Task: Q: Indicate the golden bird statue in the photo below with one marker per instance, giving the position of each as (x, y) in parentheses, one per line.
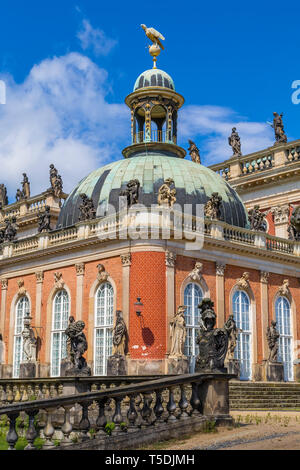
(153, 35)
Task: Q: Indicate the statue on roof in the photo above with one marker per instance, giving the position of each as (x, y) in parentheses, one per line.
(87, 209)
(131, 192)
(3, 196)
(194, 152)
(25, 186)
(257, 219)
(277, 125)
(167, 194)
(44, 220)
(235, 143)
(156, 38)
(56, 181)
(212, 209)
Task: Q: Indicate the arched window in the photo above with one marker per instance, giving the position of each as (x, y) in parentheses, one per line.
(242, 317)
(284, 325)
(22, 309)
(192, 297)
(104, 308)
(60, 317)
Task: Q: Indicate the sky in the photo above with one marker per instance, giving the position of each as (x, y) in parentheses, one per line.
(68, 65)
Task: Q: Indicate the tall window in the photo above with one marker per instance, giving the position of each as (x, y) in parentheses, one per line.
(103, 327)
(242, 316)
(284, 325)
(192, 297)
(60, 317)
(22, 309)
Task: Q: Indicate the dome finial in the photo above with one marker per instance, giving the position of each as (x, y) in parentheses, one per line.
(155, 37)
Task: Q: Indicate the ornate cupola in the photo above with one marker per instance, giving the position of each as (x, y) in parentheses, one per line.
(154, 106)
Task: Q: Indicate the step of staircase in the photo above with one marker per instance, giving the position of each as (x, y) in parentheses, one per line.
(263, 395)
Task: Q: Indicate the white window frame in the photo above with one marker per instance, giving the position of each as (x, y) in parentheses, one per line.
(103, 326)
(191, 348)
(59, 331)
(286, 337)
(18, 328)
(246, 336)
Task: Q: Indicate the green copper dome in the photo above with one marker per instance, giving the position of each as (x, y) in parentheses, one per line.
(194, 185)
(154, 77)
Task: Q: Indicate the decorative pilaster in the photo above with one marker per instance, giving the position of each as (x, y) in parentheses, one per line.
(4, 285)
(264, 279)
(170, 259)
(126, 263)
(80, 268)
(220, 292)
(39, 275)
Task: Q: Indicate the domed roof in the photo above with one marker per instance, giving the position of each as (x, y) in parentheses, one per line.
(194, 185)
(154, 77)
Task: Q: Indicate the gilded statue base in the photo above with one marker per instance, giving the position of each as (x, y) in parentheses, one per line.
(28, 370)
(178, 365)
(117, 365)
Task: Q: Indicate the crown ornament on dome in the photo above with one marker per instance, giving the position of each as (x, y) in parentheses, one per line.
(155, 37)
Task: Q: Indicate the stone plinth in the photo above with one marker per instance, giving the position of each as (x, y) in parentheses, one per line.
(28, 370)
(214, 398)
(274, 372)
(178, 365)
(116, 365)
(233, 367)
(67, 369)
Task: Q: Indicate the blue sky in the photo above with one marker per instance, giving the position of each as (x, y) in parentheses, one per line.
(68, 66)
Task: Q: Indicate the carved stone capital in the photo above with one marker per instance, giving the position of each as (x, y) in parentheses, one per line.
(79, 269)
(126, 259)
(39, 275)
(170, 259)
(58, 280)
(102, 275)
(264, 277)
(220, 268)
(281, 214)
(4, 283)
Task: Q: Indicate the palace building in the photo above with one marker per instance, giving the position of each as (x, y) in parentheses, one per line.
(83, 255)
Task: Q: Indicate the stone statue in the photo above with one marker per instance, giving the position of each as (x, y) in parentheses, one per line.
(77, 346)
(70, 357)
(257, 219)
(273, 341)
(19, 195)
(3, 196)
(232, 331)
(131, 192)
(10, 230)
(294, 225)
(243, 282)
(196, 273)
(178, 333)
(119, 335)
(166, 195)
(284, 288)
(44, 220)
(87, 209)
(29, 341)
(277, 125)
(213, 342)
(235, 143)
(25, 186)
(194, 152)
(56, 181)
(212, 208)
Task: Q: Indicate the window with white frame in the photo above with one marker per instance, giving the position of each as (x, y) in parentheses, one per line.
(192, 297)
(22, 310)
(284, 325)
(60, 320)
(242, 316)
(104, 308)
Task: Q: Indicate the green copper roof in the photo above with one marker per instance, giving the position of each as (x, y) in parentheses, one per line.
(154, 77)
(194, 184)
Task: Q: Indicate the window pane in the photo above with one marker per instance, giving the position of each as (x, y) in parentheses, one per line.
(104, 309)
(192, 297)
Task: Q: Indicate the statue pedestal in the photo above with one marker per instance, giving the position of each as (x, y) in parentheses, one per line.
(233, 367)
(274, 371)
(67, 369)
(116, 365)
(178, 365)
(28, 370)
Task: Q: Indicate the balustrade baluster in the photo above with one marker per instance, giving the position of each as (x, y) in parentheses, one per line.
(146, 411)
(12, 435)
(183, 403)
(67, 426)
(132, 414)
(117, 417)
(171, 406)
(31, 433)
(49, 429)
(158, 407)
(195, 401)
(84, 424)
(101, 420)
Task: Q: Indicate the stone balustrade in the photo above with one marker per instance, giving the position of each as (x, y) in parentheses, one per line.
(124, 416)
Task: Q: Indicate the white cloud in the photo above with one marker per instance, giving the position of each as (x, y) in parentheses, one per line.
(59, 114)
(213, 124)
(95, 39)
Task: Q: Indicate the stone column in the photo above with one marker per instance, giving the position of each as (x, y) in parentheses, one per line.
(126, 263)
(220, 270)
(79, 289)
(264, 277)
(4, 284)
(170, 275)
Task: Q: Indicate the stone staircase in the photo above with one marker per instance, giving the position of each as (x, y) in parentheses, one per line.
(264, 395)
